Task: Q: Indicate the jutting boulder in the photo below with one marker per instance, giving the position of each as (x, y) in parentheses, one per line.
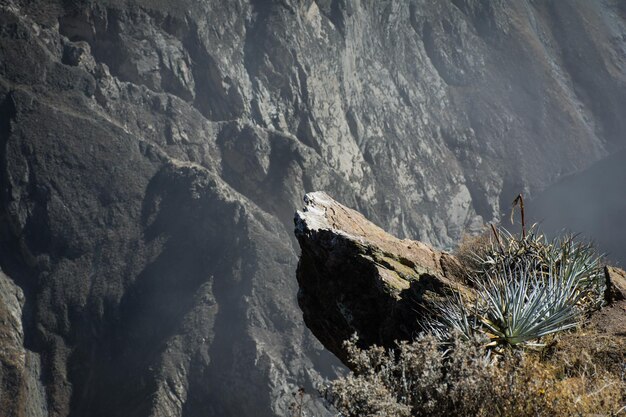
(355, 277)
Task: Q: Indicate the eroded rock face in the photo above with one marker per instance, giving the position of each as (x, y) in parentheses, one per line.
(152, 154)
(21, 390)
(354, 277)
(130, 294)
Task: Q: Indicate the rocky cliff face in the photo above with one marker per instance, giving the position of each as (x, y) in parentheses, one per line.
(152, 154)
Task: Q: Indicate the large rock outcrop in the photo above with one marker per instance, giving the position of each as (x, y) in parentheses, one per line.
(152, 154)
(355, 277)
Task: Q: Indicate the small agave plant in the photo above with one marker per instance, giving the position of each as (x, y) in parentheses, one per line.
(526, 288)
(525, 304)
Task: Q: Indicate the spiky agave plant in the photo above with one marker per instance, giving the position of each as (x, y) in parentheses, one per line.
(453, 317)
(525, 294)
(524, 304)
(510, 252)
(580, 259)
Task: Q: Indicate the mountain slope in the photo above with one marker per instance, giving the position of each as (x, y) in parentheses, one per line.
(153, 154)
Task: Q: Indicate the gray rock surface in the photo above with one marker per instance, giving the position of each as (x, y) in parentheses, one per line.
(152, 154)
(354, 277)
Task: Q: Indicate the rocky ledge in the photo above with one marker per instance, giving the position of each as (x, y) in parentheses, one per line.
(355, 277)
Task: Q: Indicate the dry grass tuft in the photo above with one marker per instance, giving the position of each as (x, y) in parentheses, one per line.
(471, 250)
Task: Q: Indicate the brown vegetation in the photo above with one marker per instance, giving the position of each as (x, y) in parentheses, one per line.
(424, 379)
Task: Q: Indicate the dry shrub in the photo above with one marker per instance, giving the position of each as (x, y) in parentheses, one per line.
(471, 250)
(589, 350)
(425, 378)
(534, 387)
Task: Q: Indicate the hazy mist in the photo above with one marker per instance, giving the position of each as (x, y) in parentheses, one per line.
(591, 203)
